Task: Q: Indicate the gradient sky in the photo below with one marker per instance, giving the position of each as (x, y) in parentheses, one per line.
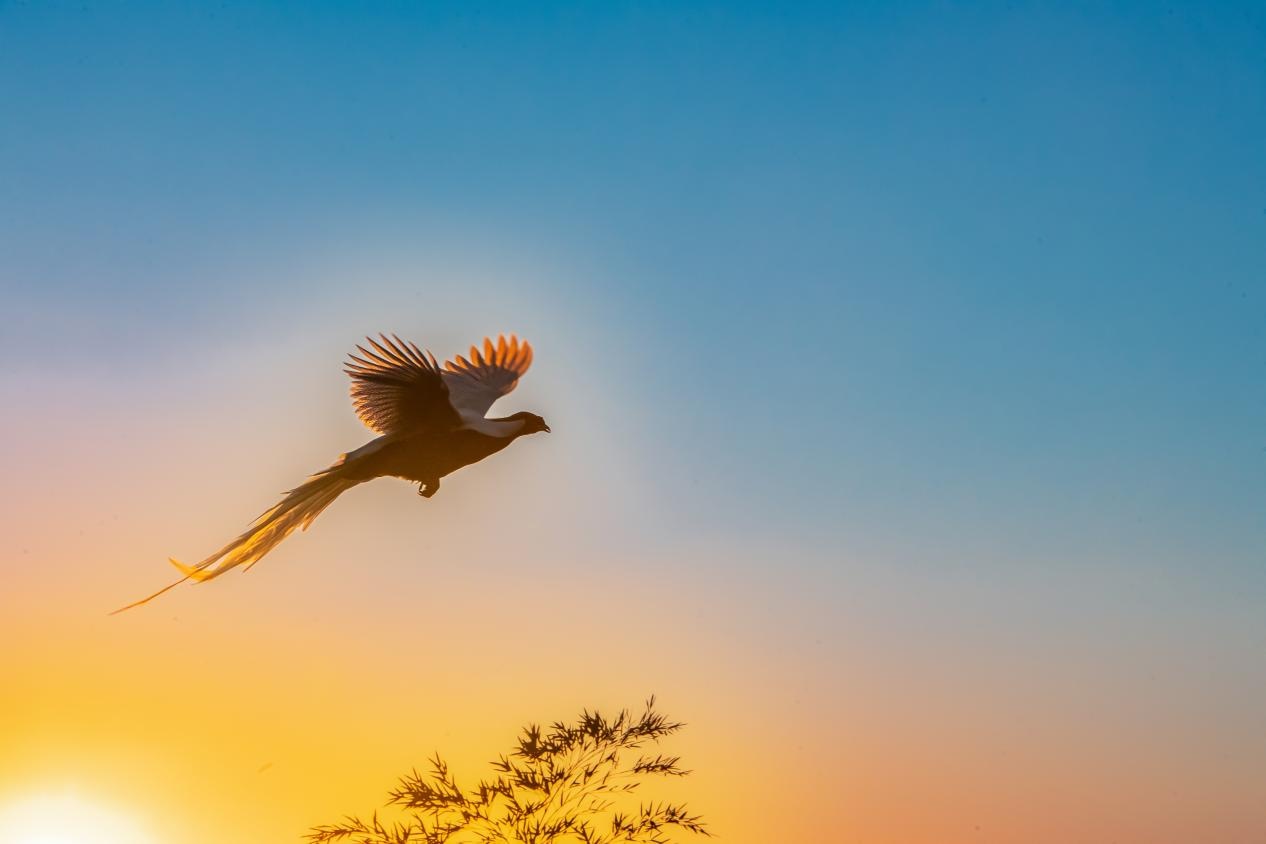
(905, 364)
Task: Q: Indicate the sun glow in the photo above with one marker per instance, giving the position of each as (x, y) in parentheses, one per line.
(66, 819)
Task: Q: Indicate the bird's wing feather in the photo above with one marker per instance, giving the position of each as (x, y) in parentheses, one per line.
(475, 383)
(396, 387)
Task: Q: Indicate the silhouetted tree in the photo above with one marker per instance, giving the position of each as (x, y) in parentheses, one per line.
(560, 785)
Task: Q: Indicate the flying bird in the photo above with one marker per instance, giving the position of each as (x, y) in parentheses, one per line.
(432, 421)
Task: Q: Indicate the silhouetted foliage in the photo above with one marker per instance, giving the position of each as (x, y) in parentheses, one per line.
(560, 785)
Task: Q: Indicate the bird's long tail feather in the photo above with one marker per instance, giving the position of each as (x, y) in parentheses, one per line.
(296, 510)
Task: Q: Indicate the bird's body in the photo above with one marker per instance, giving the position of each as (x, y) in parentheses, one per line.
(432, 422)
(422, 457)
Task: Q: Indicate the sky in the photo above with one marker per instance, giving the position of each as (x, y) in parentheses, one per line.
(904, 363)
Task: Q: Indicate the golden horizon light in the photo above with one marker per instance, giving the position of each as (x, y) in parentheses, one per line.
(66, 817)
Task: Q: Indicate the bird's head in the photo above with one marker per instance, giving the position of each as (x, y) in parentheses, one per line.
(532, 423)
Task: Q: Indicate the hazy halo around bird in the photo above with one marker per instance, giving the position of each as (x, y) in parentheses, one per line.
(432, 421)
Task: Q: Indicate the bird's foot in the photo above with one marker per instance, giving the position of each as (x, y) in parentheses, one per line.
(428, 488)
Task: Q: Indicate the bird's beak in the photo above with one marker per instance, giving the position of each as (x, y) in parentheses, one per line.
(547, 429)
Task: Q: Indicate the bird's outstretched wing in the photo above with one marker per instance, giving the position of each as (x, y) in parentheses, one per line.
(396, 387)
(474, 384)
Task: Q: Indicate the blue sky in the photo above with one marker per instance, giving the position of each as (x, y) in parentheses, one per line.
(990, 269)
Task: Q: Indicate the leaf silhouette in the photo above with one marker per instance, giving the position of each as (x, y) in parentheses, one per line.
(558, 785)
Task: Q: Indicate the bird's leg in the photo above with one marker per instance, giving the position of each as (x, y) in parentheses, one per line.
(428, 488)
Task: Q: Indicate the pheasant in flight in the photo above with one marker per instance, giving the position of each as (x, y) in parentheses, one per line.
(431, 420)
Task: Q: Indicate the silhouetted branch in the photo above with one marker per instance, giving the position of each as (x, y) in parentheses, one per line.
(559, 784)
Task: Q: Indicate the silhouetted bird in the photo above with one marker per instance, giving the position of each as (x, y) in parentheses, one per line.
(432, 421)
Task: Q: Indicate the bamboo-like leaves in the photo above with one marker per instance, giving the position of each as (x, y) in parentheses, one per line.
(558, 785)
